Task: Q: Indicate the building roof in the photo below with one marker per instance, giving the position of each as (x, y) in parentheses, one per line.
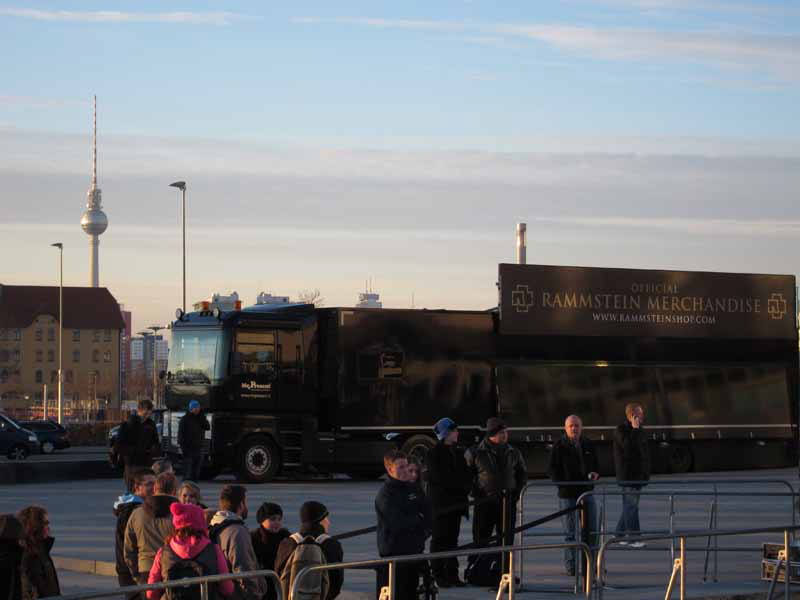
(84, 307)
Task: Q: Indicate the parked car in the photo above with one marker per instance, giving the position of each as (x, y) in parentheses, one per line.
(51, 435)
(16, 442)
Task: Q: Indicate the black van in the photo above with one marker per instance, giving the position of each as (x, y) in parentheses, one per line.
(15, 442)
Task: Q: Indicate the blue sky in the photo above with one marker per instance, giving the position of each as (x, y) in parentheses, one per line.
(354, 139)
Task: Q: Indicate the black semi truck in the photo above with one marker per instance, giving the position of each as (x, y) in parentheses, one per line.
(712, 357)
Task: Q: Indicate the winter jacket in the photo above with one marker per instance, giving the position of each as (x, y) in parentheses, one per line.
(404, 518)
(10, 569)
(39, 578)
(448, 478)
(265, 545)
(234, 540)
(123, 509)
(331, 548)
(147, 529)
(498, 467)
(188, 549)
(567, 463)
(191, 432)
(631, 453)
(137, 441)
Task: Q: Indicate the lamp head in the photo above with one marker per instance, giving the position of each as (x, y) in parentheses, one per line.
(58, 245)
(181, 185)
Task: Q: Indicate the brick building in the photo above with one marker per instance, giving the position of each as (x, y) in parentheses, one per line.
(91, 360)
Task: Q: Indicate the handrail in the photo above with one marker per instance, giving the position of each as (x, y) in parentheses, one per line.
(392, 560)
(163, 585)
(680, 563)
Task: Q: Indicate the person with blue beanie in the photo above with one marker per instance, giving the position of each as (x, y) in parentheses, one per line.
(191, 432)
(449, 481)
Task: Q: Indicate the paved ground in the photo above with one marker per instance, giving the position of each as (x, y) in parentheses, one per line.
(68, 454)
(80, 513)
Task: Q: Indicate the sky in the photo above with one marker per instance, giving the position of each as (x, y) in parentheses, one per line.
(327, 143)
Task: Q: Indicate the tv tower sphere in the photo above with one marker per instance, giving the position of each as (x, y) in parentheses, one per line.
(94, 221)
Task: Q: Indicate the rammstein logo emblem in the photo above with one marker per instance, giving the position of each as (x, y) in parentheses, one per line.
(522, 298)
(776, 306)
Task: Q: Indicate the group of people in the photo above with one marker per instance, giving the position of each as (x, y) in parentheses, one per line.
(573, 463)
(26, 569)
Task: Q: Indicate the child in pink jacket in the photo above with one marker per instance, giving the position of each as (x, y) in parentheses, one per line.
(189, 542)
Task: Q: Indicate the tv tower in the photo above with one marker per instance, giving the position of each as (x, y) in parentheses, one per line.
(94, 220)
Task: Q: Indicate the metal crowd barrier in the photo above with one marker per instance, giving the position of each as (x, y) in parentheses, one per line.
(679, 564)
(603, 484)
(203, 581)
(506, 582)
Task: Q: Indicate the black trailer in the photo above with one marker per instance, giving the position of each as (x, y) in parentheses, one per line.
(330, 389)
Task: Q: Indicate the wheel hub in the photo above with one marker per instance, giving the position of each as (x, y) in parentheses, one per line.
(258, 460)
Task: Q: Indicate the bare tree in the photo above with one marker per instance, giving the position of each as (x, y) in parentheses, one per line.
(311, 297)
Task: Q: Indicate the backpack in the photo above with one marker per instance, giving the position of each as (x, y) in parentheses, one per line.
(483, 570)
(216, 530)
(173, 567)
(307, 553)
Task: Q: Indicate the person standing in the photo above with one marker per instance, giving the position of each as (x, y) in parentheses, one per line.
(191, 433)
(39, 578)
(573, 459)
(267, 538)
(500, 476)
(448, 489)
(137, 442)
(315, 522)
(148, 527)
(228, 529)
(632, 463)
(11, 534)
(143, 485)
(404, 523)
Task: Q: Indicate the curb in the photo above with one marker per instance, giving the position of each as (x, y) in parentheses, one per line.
(80, 565)
(43, 472)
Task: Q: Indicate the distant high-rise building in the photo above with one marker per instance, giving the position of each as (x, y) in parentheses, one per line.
(94, 221)
(125, 351)
(142, 349)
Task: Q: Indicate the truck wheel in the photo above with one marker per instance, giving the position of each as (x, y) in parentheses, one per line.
(259, 459)
(680, 459)
(417, 447)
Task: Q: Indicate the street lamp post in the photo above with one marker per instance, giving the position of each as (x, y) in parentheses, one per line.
(155, 329)
(60, 247)
(181, 185)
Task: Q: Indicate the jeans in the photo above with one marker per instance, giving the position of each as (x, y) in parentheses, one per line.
(192, 466)
(629, 518)
(589, 526)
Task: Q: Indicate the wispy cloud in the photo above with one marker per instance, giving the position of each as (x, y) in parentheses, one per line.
(757, 228)
(218, 18)
(776, 54)
(655, 7)
(10, 100)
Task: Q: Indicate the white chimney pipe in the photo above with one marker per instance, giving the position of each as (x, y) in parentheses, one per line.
(521, 245)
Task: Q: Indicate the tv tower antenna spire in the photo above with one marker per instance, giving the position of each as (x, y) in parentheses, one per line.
(94, 221)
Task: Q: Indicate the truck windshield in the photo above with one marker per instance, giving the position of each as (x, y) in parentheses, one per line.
(193, 357)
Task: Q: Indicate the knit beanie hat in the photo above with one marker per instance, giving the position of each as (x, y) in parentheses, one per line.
(494, 426)
(444, 426)
(188, 515)
(313, 512)
(267, 510)
(193, 404)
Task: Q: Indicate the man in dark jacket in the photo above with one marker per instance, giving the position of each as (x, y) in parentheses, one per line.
(500, 476)
(191, 432)
(404, 523)
(573, 459)
(449, 481)
(315, 522)
(632, 462)
(267, 538)
(137, 441)
(11, 533)
(143, 483)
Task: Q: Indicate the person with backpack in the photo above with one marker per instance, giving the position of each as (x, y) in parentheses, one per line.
(143, 483)
(449, 482)
(228, 529)
(188, 552)
(137, 442)
(267, 538)
(311, 546)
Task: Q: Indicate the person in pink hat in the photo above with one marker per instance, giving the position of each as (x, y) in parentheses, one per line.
(189, 542)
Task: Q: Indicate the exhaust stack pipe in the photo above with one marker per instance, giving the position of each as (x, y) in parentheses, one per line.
(521, 245)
